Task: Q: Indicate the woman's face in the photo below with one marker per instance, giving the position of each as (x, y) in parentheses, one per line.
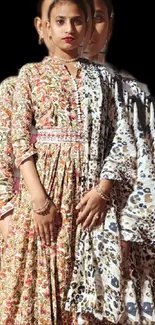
(67, 27)
(102, 28)
(89, 27)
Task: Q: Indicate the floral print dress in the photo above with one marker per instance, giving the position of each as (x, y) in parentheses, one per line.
(74, 119)
(129, 296)
(9, 174)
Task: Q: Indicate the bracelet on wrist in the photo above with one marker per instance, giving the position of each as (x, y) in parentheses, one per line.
(44, 209)
(102, 194)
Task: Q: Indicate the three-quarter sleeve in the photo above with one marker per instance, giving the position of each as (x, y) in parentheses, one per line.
(112, 117)
(7, 180)
(22, 117)
(120, 164)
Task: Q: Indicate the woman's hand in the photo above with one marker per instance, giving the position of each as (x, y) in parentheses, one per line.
(46, 225)
(4, 225)
(91, 210)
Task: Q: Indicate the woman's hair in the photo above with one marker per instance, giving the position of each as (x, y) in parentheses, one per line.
(91, 5)
(79, 3)
(39, 7)
(40, 3)
(110, 8)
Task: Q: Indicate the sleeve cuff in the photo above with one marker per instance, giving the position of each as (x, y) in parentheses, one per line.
(111, 176)
(124, 172)
(25, 155)
(7, 207)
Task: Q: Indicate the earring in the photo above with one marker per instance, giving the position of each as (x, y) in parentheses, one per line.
(104, 50)
(112, 15)
(41, 40)
(49, 37)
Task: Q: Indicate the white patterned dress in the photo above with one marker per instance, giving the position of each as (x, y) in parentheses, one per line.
(99, 290)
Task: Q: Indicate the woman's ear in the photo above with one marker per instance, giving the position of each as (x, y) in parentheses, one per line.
(39, 29)
(48, 27)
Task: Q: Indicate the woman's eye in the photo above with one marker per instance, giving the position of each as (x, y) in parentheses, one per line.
(98, 18)
(60, 21)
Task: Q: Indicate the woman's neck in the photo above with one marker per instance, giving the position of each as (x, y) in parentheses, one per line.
(65, 56)
(99, 58)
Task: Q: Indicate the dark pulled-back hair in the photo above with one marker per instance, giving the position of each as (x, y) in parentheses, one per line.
(40, 3)
(79, 3)
(91, 5)
(110, 8)
(39, 7)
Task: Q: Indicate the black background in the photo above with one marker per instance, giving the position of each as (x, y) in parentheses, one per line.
(131, 47)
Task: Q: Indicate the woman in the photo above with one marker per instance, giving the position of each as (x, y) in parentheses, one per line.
(138, 274)
(9, 176)
(58, 94)
(137, 96)
(141, 256)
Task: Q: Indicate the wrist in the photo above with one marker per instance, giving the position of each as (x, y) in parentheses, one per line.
(106, 186)
(39, 201)
(102, 194)
(43, 209)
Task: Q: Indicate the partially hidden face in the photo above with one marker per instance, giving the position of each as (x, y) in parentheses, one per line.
(101, 30)
(40, 23)
(89, 27)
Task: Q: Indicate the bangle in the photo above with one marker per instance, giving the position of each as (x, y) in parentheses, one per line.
(44, 209)
(102, 194)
